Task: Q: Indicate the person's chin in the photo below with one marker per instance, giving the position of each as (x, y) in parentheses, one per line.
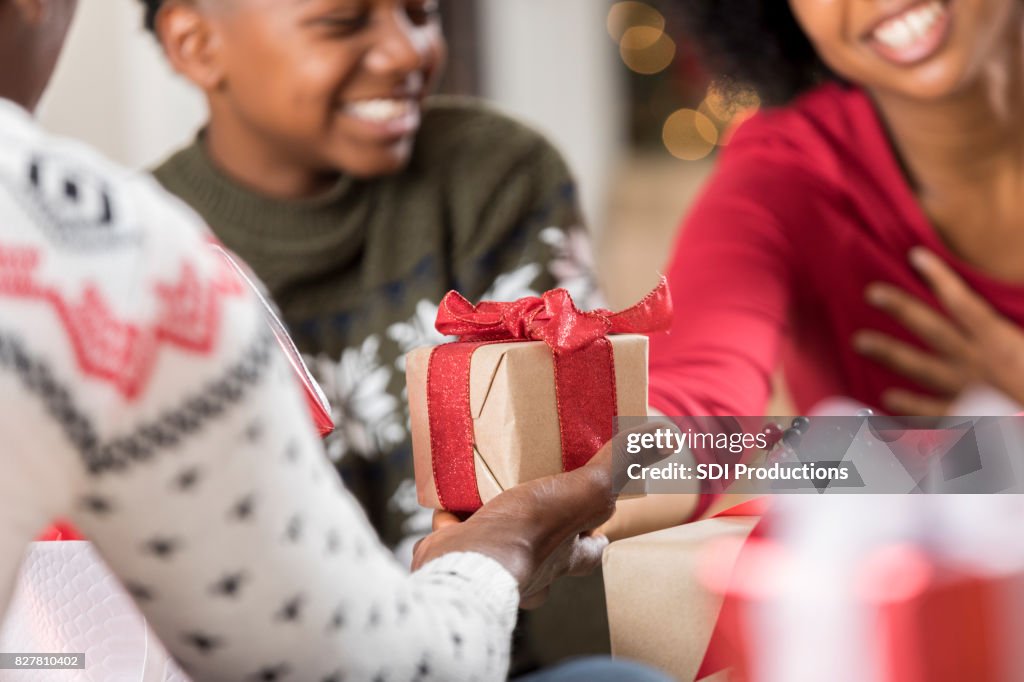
(928, 82)
(368, 150)
(932, 84)
(378, 164)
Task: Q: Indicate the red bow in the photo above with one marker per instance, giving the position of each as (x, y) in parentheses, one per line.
(552, 318)
(584, 375)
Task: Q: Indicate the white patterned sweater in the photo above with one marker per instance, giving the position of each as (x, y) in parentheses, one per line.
(143, 397)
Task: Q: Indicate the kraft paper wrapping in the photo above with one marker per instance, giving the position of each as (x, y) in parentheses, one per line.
(659, 611)
(515, 420)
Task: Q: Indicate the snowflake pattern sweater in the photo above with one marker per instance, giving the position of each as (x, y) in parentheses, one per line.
(143, 397)
(486, 206)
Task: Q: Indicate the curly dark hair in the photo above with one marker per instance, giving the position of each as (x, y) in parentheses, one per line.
(752, 43)
(151, 8)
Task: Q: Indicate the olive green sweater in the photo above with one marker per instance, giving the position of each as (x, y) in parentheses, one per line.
(486, 206)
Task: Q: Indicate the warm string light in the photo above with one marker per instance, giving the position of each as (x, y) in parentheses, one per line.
(692, 134)
(689, 135)
(624, 15)
(728, 111)
(645, 48)
(655, 53)
(639, 30)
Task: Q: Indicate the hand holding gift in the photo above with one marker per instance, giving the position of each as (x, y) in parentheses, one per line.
(531, 388)
(543, 529)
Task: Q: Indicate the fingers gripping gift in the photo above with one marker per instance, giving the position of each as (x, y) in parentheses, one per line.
(530, 388)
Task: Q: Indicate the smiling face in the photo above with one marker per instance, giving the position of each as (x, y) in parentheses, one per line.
(923, 49)
(333, 85)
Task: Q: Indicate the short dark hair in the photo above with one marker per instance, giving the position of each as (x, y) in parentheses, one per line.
(753, 43)
(151, 8)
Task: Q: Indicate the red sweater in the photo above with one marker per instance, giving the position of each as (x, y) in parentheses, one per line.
(807, 206)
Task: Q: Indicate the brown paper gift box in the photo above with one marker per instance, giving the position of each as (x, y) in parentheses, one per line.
(659, 612)
(515, 420)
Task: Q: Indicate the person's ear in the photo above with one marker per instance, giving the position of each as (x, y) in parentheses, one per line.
(191, 44)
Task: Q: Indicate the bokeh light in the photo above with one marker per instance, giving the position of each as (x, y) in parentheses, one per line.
(647, 53)
(625, 15)
(689, 134)
(716, 104)
(637, 38)
(640, 31)
(728, 109)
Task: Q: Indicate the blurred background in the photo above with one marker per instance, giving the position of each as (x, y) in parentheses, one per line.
(610, 83)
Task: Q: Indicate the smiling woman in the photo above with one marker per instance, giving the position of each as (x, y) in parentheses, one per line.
(924, 50)
(896, 125)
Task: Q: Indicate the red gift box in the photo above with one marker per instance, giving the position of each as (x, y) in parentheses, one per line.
(929, 620)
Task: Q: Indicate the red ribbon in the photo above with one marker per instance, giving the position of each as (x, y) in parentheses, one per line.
(584, 375)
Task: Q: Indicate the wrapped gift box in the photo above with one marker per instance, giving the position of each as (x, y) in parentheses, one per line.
(912, 589)
(950, 626)
(514, 411)
(660, 611)
(911, 619)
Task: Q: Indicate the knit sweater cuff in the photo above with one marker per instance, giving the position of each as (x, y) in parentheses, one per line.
(479, 577)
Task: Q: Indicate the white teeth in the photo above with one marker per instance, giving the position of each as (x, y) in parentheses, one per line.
(380, 110)
(906, 29)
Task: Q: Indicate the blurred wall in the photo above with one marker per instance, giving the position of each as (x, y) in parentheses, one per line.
(114, 89)
(552, 63)
(549, 62)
